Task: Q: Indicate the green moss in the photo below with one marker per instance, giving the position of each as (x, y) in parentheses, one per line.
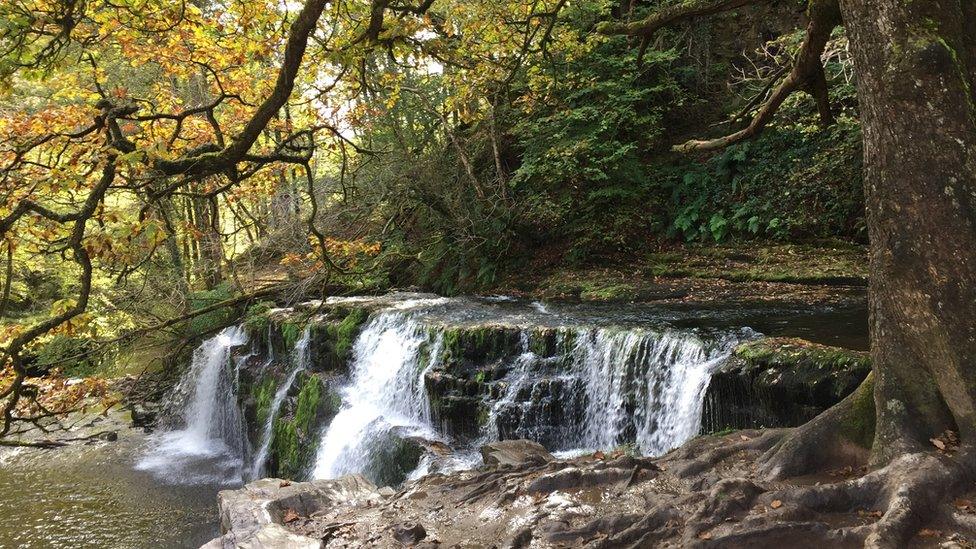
(208, 322)
(344, 333)
(484, 414)
(795, 353)
(859, 424)
(290, 331)
(294, 442)
(263, 393)
(256, 317)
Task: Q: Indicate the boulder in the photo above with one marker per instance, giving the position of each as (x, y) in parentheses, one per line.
(253, 516)
(409, 533)
(780, 382)
(514, 452)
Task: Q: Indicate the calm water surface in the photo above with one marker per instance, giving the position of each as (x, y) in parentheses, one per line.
(90, 496)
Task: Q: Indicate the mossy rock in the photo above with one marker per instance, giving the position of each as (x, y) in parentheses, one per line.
(333, 338)
(781, 382)
(792, 363)
(392, 457)
(298, 425)
(467, 348)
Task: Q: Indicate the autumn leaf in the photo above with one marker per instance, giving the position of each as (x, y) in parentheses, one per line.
(938, 443)
(291, 516)
(776, 504)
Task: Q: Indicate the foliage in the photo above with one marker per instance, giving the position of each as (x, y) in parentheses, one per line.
(817, 195)
(584, 130)
(73, 356)
(157, 158)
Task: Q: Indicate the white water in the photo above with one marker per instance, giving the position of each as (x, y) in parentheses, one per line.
(299, 362)
(210, 445)
(627, 386)
(666, 372)
(616, 386)
(386, 394)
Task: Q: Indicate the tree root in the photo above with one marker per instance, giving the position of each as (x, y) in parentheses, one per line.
(840, 436)
(905, 495)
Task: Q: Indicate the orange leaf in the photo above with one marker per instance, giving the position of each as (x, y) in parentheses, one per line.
(776, 504)
(291, 515)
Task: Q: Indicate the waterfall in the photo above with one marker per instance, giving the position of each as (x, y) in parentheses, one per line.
(299, 362)
(616, 386)
(209, 445)
(385, 397)
(597, 388)
(643, 385)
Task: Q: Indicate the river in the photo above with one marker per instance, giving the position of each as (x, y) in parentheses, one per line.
(94, 495)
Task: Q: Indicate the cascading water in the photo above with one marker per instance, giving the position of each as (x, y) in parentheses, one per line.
(603, 387)
(615, 386)
(651, 384)
(209, 445)
(299, 362)
(385, 397)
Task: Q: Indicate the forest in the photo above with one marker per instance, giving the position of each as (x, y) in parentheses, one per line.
(470, 273)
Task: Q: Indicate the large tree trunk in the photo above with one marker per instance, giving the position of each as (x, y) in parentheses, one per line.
(916, 67)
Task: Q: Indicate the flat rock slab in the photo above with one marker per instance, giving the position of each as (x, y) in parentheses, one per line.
(255, 515)
(514, 452)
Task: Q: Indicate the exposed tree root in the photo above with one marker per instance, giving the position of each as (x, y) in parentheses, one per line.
(840, 436)
(909, 492)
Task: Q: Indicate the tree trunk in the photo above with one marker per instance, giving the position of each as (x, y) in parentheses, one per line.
(916, 71)
(8, 280)
(206, 219)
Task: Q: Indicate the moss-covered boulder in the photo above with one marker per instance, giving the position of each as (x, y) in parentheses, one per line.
(333, 335)
(392, 457)
(296, 430)
(333, 329)
(470, 376)
(781, 382)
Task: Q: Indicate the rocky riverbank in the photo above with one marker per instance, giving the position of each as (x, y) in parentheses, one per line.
(708, 493)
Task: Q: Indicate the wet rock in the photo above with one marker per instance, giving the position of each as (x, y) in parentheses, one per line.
(392, 457)
(409, 533)
(514, 452)
(144, 415)
(780, 382)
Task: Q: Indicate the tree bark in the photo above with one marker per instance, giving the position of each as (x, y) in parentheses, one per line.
(916, 64)
(8, 280)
